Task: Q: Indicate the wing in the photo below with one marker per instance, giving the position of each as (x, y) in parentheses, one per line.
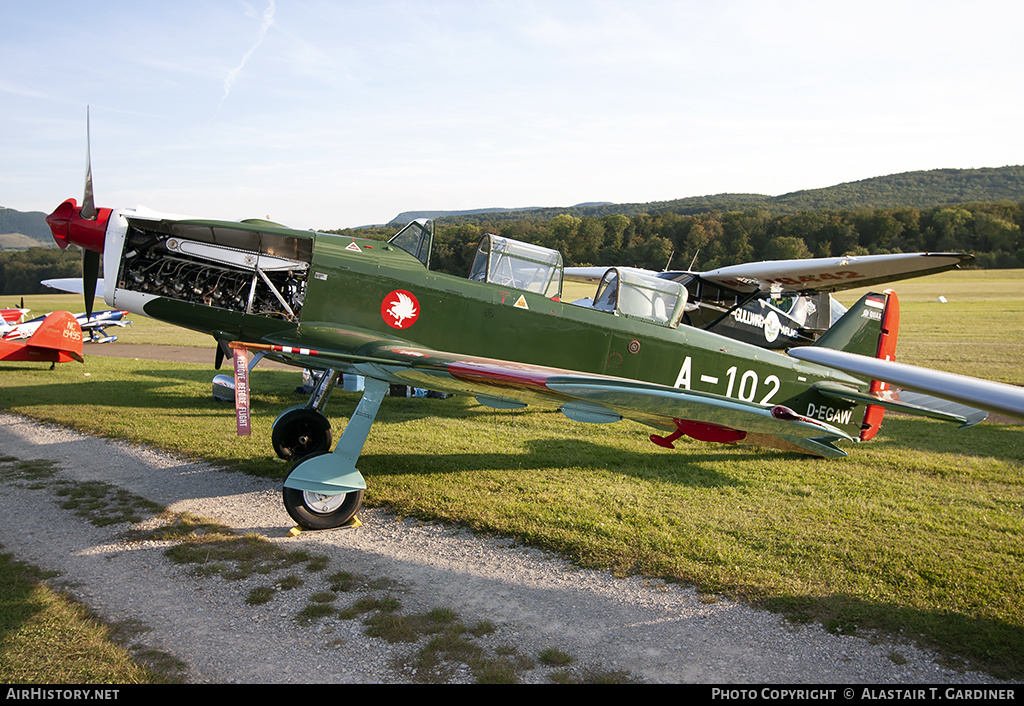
(24, 329)
(982, 394)
(72, 284)
(581, 397)
(100, 325)
(832, 274)
(12, 316)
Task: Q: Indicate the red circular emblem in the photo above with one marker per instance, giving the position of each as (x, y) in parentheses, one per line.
(400, 309)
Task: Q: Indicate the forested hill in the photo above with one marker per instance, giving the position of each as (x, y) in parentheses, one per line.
(30, 226)
(911, 190)
(922, 189)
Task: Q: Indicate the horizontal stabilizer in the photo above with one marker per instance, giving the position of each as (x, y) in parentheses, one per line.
(908, 402)
(973, 392)
(970, 415)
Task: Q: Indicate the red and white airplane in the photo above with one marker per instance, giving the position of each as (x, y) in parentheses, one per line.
(58, 339)
(15, 315)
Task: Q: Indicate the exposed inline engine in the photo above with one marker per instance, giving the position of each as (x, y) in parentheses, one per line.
(251, 280)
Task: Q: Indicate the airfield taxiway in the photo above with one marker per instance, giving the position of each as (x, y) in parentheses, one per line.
(171, 354)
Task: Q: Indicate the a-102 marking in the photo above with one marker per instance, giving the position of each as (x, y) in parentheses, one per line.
(742, 386)
(748, 387)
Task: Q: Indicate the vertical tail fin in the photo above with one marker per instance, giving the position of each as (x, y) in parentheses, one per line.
(870, 328)
(59, 336)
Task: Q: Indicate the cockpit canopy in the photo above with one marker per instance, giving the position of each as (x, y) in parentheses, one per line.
(518, 265)
(631, 293)
(416, 238)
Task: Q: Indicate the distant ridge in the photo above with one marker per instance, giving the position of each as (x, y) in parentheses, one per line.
(23, 229)
(407, 216)
(914, 190)
(920, 189)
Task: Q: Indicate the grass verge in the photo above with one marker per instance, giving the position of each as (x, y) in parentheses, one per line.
(48, 638)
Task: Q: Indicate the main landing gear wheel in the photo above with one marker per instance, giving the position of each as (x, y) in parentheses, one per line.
(301, 432)
(316, 511)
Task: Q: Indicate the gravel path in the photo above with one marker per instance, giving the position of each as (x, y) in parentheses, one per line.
(654, 631)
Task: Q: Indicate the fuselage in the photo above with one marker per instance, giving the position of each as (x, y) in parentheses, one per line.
(324, 290)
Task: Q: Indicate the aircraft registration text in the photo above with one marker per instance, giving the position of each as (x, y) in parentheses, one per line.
(829, 414)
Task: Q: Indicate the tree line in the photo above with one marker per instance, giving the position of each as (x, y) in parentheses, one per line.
(21, 271)
(989, 231)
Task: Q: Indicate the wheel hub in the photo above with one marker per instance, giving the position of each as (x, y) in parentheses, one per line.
(323, 504)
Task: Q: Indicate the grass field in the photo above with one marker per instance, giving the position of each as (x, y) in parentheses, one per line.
(919, 533)
(979, 331)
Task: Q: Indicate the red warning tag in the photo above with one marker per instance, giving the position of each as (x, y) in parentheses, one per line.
(242, 391)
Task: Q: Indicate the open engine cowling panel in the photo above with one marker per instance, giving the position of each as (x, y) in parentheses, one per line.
(226, 265)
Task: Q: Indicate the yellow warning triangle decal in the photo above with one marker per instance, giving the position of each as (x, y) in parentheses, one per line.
(521, 303)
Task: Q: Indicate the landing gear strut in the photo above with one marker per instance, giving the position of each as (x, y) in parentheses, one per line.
(325, 490)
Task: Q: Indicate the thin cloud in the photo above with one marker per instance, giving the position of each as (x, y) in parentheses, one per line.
(267, 21)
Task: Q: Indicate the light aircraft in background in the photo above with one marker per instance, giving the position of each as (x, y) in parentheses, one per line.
(774, 304)
(57, 339)
(345, 305)
(94, 325)
(12, 316)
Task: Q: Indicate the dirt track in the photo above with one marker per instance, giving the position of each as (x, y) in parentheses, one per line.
(173, 354)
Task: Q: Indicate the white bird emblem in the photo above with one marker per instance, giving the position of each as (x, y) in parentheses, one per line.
(402, 309)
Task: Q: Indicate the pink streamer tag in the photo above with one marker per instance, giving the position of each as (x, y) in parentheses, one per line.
(242, 391)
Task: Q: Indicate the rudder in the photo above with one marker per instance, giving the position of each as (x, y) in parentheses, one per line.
(870, 328)
(60, 332)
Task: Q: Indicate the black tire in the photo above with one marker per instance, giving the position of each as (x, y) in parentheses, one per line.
(301, 432)
(315, 511)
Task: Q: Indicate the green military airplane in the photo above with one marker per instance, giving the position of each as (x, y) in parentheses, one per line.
(348, 306)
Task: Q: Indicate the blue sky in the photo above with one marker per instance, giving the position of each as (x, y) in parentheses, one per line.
(336, 114)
